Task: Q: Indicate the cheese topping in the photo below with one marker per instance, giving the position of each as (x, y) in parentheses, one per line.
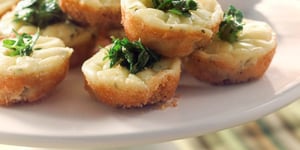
(52, 52)
(6, 5)
(98, 70)
(68, 32)
(256, 39)
(101, 3)
(204, 18)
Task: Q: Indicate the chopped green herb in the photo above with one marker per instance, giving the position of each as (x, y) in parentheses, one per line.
(39, 12)
(22, 45)
(132, 55)
(231, 25)
(178, 7)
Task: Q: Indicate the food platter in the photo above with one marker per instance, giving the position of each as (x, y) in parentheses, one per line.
(70, 117)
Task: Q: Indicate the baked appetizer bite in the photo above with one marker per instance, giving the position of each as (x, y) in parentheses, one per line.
(127, 74)
(241, 52)
(30, 67)
(6, 5)
(104, 13)
(31, 15)
(171, 28)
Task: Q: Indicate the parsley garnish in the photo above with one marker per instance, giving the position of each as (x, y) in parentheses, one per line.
(22, 45)
(231, 25)
(39, 12)
(178, 7)
(132, 55)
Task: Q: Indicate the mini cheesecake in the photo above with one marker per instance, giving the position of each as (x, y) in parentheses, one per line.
(81, 39)
(169, 34)
(227, 63)
(118, 87)
(102, 13)
(30, 78)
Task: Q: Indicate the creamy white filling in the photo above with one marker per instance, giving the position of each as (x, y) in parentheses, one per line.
(205, 17)
(255, 40)
(97, 69)
(52, 52)
(68, 32)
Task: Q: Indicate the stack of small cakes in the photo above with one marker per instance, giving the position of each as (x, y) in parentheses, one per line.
(215, 47)
(110, 74)
(152, 41)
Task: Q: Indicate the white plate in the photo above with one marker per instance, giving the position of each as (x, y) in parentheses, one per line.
(71, 118)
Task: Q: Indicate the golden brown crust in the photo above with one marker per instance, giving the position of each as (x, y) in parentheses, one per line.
(229, 63)
(117, 87)
(30, 87)
(222, 71)
(162, 87)
(162, 41)
(104, 17)
(167, 42)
